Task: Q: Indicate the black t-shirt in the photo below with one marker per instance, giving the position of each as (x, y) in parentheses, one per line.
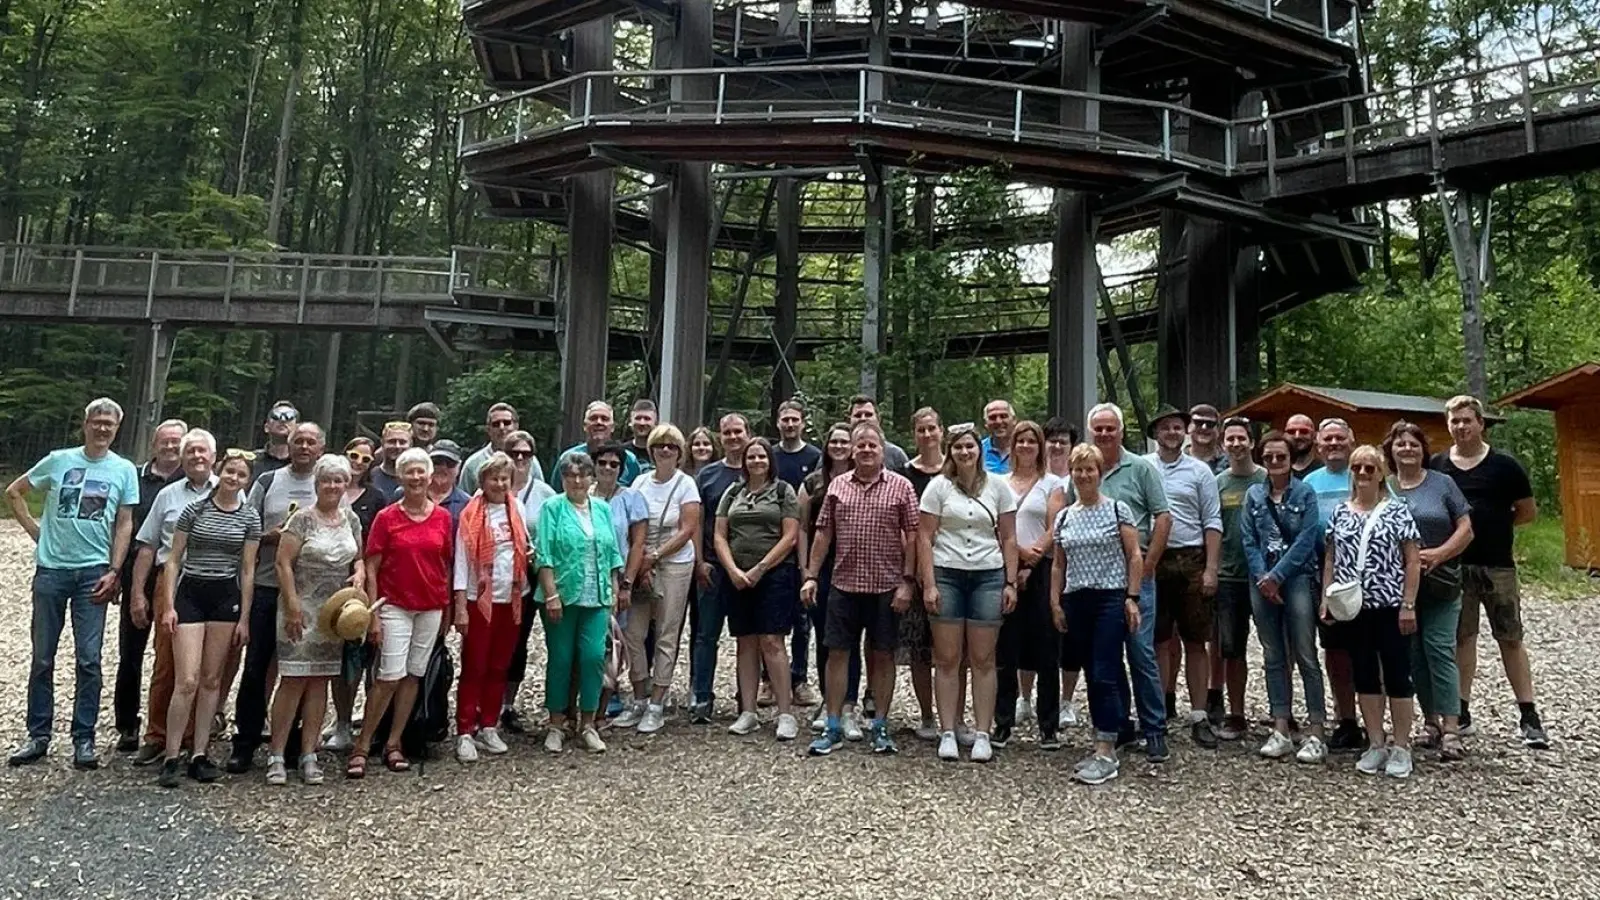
(794, 467)
(713, 479)
(1300, 474)
(918, 478)
(266, 462)
(641, 455)
(1493, 487)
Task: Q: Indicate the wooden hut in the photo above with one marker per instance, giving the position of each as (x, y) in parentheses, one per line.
(1574, 397)
(1370, 413)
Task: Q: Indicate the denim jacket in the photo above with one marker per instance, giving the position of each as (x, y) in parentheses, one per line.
(1299, 514)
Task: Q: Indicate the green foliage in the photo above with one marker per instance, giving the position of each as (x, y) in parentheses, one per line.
(1540, 552)
(530, 384)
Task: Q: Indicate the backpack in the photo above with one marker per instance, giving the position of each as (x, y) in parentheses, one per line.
(430, 715)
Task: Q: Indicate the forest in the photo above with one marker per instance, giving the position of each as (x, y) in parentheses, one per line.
(330, 127)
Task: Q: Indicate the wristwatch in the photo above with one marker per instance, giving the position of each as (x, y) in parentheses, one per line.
(1132, 598)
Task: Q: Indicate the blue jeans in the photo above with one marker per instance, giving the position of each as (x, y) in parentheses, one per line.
(713, 606)
(1099, 627)
(55, 593)
(1290, 626)
(974, 596)
(1142, 661)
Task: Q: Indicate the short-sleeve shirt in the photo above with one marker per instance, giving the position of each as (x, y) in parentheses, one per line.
(150, 484)
(664, 502)
(1231, 492)
(1134, 481)
(274, 496)
(417, 557)
(1436, 505)
(755, 520)
(81, 502)
(1192, 500)
(216, 537)
(1091, 539)
(995, 460)
(1492, 488)
(869, 519)
(713, 480)
(1032, 509)
(968, 534)
(159, 525)
(1384, 578)
(1333, 488)
(793, 467)
(628, 508)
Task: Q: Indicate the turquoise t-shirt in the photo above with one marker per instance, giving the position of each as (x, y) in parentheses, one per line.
(1332, 489)
(80, 508)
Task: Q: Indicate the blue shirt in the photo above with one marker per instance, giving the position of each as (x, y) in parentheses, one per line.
(455, 503)
(628, 507)
(1332, 489)
(794, 467)
(994, 460)
(630, 466)
(82, 498)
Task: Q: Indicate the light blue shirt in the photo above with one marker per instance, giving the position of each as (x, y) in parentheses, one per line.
(1192, 498)
(995, 460)
(82, 498)
(628, 507)
(1332, 489)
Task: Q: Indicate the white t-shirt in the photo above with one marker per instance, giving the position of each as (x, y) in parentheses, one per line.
(666, 500)
(967, 525)
(505, 559)
(1031, 510)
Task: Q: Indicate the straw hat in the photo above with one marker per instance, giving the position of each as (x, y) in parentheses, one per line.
(346, 615)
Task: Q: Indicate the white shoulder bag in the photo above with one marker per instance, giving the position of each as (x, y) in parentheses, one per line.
(1344, 597)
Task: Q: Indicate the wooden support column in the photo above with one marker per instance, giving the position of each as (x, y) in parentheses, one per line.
(330, 382)
(660, 58)
(590, 232)
(1074, 332)
(787, 290)
(688, 256)
(1172, 315)
(148, 387)
(878, 245)
(1469, 246)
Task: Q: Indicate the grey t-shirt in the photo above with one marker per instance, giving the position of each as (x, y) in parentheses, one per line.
(272, 496)
(1435, 504)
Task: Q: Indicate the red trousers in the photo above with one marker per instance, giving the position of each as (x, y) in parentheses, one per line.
(485, 657)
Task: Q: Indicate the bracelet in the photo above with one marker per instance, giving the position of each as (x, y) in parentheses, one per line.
(808, 578)
(1131, 598)
(553, 598)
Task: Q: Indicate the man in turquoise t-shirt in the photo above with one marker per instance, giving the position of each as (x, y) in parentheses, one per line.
(1335, 440)
(82, 543)
(598, 420)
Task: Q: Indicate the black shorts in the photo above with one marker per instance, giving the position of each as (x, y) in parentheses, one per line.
(768, 608)
(1233, 617)
(849, 614)
(200, 600)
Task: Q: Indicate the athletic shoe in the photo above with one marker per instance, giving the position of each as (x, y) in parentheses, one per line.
(466, 749)
(1203, 734)
(1000, 737)
(171, 772)
(1024, 710)
(339, 740)
(1347, 737)
(1277, 746)
(788, 727)
(700, 713)
(203, 770)
(1533, 736)
(554, 740)
(1069, 715)
(1399, 764)
(591, 741)
(655, 718)
(1098, 770)
(764, 696)
(149, 753)
(928, 731)
(1233, 728)
(852, 725)
(806, 695)
(948, 750)
(489, 740)
(821, 721)
(1312, 750)
(277, 774)
(881, 742)
(631, 716)
(1373, 761)
(1049, 741)
(1155, 748)
(745, 724)
(982, 750)
(826, 743)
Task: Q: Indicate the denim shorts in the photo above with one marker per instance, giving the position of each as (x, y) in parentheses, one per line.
(971, 596)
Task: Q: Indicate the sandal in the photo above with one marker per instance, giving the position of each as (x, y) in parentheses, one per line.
(1430, 737)
(356, 767)
(1451, 748)
(396, 760)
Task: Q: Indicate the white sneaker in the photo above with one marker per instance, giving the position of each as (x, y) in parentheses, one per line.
(591, 740)
(466, 750)
(553, 740)
(745, 724)
(1069, 716)
(491, 741)
(965, 736)
(852, 724)
(981, 750)
(820, 723)
(1312, 750)
(788, 727)
(1024, 710)
(339, 740)
(928, 731)
(631, 716)
(1373, 761)
(948, 750)
(654, 719)
(1399, 765)
(1277, 746)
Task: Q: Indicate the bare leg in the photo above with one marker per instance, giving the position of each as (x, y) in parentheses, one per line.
(378, 702)
(1025, 682)
(1514, 655)
(314, 708)
(285, 701)
(980, 658)
(922, 687)
(1467, 664)
(1403, 710)
(344, 702)
(405, 697)
(1372, 718)
(188, 648)
(1168, 654)
(776, 656)
(214, 656)
(1197, 672)
(749, 670)
(948, 685)
(881, 677)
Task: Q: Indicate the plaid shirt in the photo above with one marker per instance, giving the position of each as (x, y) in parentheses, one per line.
(869, 521)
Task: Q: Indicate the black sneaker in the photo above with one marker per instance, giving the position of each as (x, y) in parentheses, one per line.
(239, 761)
(1534, 737)
(83, 757)
(28, 752)
(1155, 748)
(171, 772)
(203, 770)
(1203, 734)
(1001, 736)
(148, 754)
(128, 742)
(700, 714)
(1214, 710)
(1127, 737)
(1049, 741)
(1347, 737)
(511, 721)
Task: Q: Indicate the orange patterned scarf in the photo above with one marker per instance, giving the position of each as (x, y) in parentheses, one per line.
(479, 536)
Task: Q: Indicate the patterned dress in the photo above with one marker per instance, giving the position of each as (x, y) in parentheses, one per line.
(323, 567)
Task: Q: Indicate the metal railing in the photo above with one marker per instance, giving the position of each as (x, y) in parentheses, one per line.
(503, 273)
(764, 23)
(1019, 113)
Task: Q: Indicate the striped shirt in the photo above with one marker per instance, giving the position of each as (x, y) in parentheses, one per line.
(216, 538)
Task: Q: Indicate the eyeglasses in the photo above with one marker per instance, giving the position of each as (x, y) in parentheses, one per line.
(397, 426)
(664, 448)
(1334, 420)
(358, 456)
(1364, 469)
(284, 414)
(520, 455)
(608, 464)
(236, 453)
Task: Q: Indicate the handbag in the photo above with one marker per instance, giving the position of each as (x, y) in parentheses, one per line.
(1344, 597)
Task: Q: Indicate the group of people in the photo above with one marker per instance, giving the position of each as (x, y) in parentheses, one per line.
(997, 562)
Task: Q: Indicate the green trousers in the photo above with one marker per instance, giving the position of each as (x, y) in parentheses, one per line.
(577, 641)
(1433, 651)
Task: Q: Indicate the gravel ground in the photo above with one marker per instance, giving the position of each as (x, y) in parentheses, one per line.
(697, 812)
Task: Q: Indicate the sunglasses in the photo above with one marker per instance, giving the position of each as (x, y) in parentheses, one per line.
(520, 455)
(963, 428)
(236, 453)
(608, 464)
(1204, 424)
(1364, 469)
(284, 414)
(1334, 420)
(397, 426)
(358, 456)
(1274, 457)
(664, 448)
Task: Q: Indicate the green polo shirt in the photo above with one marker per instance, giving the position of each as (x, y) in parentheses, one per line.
(1135, 481)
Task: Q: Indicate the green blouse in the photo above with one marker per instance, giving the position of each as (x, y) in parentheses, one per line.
(564, 547)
